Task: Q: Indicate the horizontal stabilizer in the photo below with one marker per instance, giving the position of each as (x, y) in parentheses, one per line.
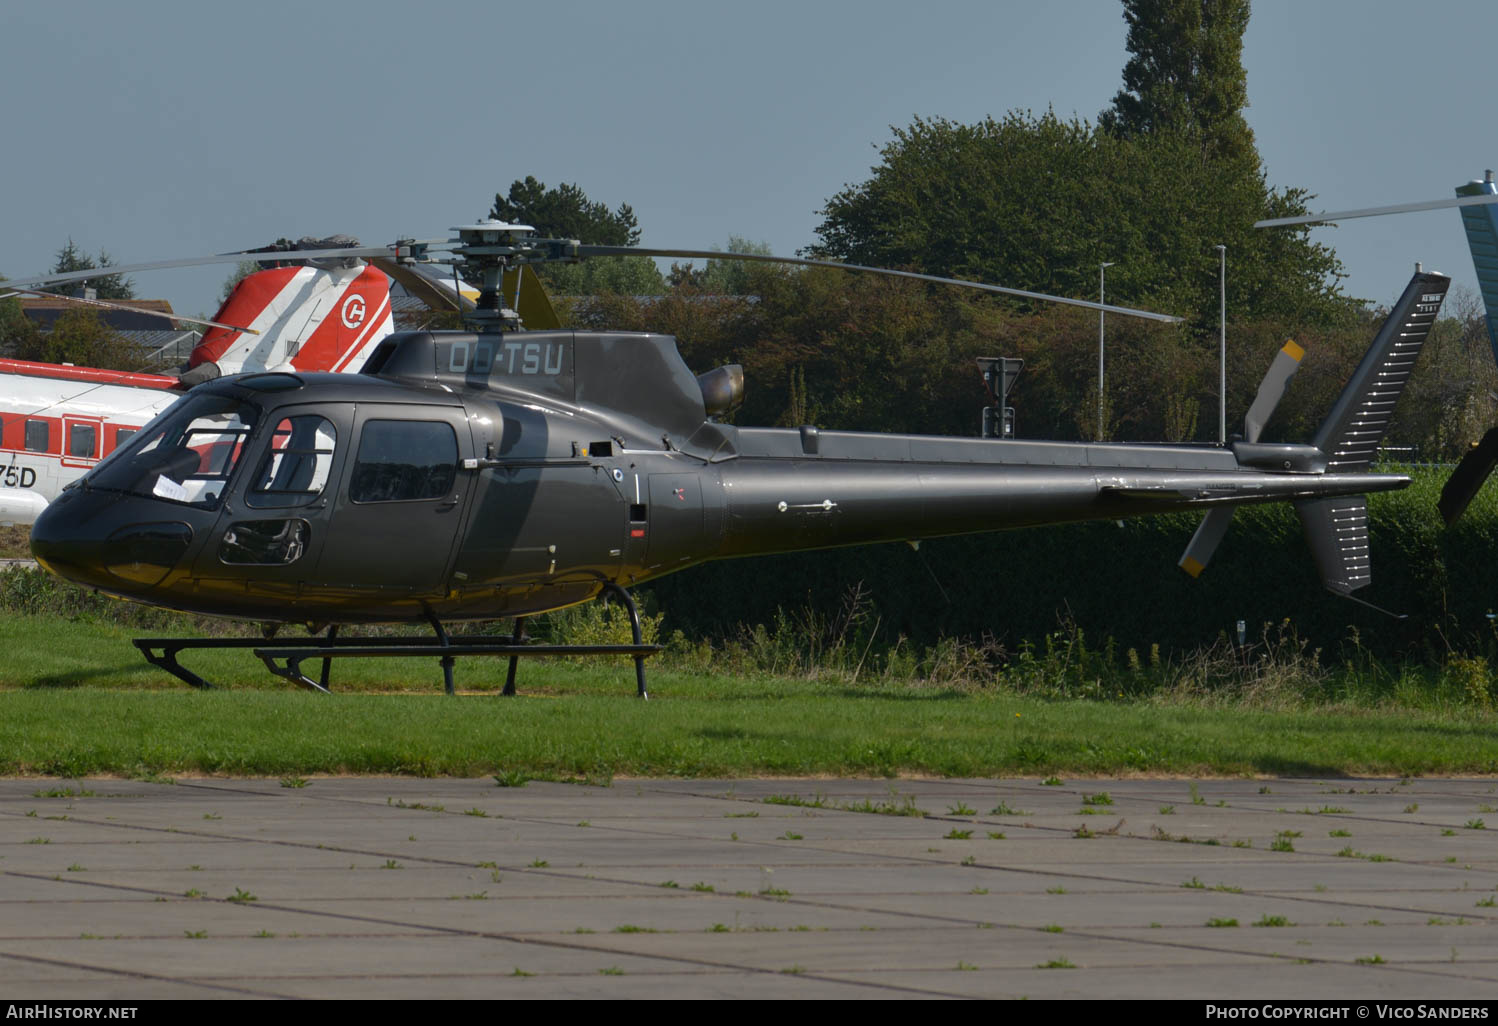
(1468, 477)
(1337, 530)
(1235, 488)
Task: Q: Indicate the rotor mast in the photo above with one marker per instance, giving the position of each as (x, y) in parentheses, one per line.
(489, 249)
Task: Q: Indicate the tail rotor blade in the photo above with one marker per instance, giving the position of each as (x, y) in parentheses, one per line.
(1272, 389)
(1204, 542)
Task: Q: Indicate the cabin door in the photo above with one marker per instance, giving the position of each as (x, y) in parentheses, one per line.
(400, 501)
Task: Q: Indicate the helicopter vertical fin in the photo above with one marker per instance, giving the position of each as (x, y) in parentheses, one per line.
(355, 316)
(1351, 433)
(1337, 531)
(1272, 389)
(312, 318)
(531, 303)
(1481, 224)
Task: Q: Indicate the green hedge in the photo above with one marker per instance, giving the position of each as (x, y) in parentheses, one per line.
(1120, 581)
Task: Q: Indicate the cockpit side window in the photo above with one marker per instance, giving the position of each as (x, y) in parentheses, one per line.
(296, 467)
(403, 460)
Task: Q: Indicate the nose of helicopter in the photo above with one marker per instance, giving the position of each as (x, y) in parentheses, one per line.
(83, 537)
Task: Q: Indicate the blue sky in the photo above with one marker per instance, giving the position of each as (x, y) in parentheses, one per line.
(156, 130)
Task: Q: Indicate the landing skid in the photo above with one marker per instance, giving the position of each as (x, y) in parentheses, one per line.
(284, 657)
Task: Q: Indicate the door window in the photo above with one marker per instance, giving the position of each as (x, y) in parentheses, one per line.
(296, 468)
(81, 440)
(402, 460)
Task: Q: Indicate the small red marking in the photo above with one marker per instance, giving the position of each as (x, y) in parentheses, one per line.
(638, 532)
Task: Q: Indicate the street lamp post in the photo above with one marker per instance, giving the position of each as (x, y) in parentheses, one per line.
(1102, 269)
(1222, 346)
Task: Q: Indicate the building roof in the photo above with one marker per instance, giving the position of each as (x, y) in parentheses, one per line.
(43, 311)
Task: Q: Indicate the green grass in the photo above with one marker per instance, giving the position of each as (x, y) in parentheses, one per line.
(698, 727)
(704, 727)
(76, 698)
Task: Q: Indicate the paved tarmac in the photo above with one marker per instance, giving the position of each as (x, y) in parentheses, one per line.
(405, 888)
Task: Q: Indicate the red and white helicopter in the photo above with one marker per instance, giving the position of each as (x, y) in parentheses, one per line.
(57, 421)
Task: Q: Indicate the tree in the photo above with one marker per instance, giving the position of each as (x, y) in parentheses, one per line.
(722, 277)
(79, 336)
(565, 212)
(17, 333)
(242, 270)
(1038, 203)
(109, 286)
(1185, 74)
(627, 276)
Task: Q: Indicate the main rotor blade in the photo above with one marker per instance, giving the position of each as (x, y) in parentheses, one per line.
(129, 308)
(701, 254)
(1398, 208)
(363, 252)
(1468, 477)
(434, 294)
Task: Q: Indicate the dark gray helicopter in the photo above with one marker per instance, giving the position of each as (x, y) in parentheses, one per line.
(497, 473)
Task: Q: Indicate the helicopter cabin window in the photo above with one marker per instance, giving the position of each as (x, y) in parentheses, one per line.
(82, 440)
(38, 436)
(295, 469)
(121, 436)
(402, 460)
(185, 455)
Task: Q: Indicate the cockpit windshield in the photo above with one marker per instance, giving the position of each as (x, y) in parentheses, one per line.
(185, 455)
